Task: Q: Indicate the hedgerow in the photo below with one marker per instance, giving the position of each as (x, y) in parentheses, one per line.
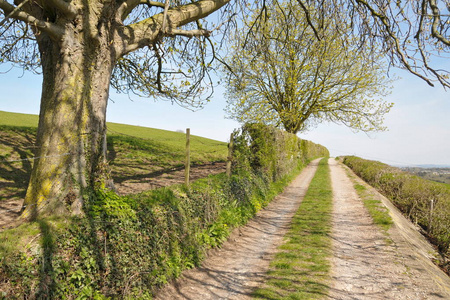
(126, 247)
(424, 202)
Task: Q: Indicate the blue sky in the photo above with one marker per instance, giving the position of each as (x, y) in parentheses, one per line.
(418, 128)
(419, 123)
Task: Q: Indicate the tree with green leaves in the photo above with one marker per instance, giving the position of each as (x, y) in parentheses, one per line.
(279, 73)
(159, 49)
(149, 48)
(412, 34)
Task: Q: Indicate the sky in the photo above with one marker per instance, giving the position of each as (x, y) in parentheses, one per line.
(419, 123)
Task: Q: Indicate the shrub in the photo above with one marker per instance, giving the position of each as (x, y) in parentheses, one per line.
(424, 202)
(266, 150)
(126, 247)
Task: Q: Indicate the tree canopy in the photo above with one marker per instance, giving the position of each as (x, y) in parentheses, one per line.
(280, 73)
(149, 48)
(412, 34)
(162, 49)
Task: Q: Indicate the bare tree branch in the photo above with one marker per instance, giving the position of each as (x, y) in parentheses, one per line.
(54, 31)
(166, 8)
(189, 33)
(145, 32)
(65, 7)
(158, 74)
(400, 53)
(308, 19)
(127, 7)
(436, 22)
(16, 9)
(185, 14)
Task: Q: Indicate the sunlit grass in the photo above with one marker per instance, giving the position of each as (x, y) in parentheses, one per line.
(300, 269)
(132, 151)
(376, 209)
(16, 119)
(201, 148)
(163, 142)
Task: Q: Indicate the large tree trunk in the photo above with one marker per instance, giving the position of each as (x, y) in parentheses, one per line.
(80, 42)
(70, 155)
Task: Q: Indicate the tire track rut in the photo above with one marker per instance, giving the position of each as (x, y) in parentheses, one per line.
(233, 271)
(366, 265)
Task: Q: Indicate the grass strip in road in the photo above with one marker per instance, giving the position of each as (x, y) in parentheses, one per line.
(376, 209)
(378, 212)
(300, 269)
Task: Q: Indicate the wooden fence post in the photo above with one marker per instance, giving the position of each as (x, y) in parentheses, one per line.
(430, 216)
(230, 154)
(187, 168)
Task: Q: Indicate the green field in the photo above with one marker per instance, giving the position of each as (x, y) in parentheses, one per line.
(16, 119)
(174, 140)
(133, 151)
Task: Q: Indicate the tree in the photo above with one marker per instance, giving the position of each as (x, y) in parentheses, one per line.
(281, 74)
(412, 34)
(81, 47)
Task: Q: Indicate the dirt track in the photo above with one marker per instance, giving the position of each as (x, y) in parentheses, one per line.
(235, 270)
(365, 265)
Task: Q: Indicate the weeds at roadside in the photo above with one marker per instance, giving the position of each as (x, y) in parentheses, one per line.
(425, 203)
(376, 209)
(378, 212)
(300, 270)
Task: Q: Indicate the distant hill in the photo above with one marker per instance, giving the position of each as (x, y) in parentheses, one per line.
(433, 166)
(437, 173)
(423, 166)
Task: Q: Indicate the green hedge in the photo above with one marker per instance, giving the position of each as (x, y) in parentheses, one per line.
(127, 247)
(266, 150)
(425, 202)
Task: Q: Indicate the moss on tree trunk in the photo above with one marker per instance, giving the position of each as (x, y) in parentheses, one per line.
(70, 155)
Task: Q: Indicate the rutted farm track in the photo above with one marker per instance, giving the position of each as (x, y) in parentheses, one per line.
(365, 265)
(368, 265)
(233, 271)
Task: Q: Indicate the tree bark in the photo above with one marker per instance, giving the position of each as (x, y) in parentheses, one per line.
(70, 155)
(80, 43)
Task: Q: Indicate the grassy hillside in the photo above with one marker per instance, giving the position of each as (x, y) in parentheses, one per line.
(133, 151)
(16, 119)
(125, 247)
(175, 140)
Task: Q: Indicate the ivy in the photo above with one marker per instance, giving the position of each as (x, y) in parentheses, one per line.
(128, 247)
